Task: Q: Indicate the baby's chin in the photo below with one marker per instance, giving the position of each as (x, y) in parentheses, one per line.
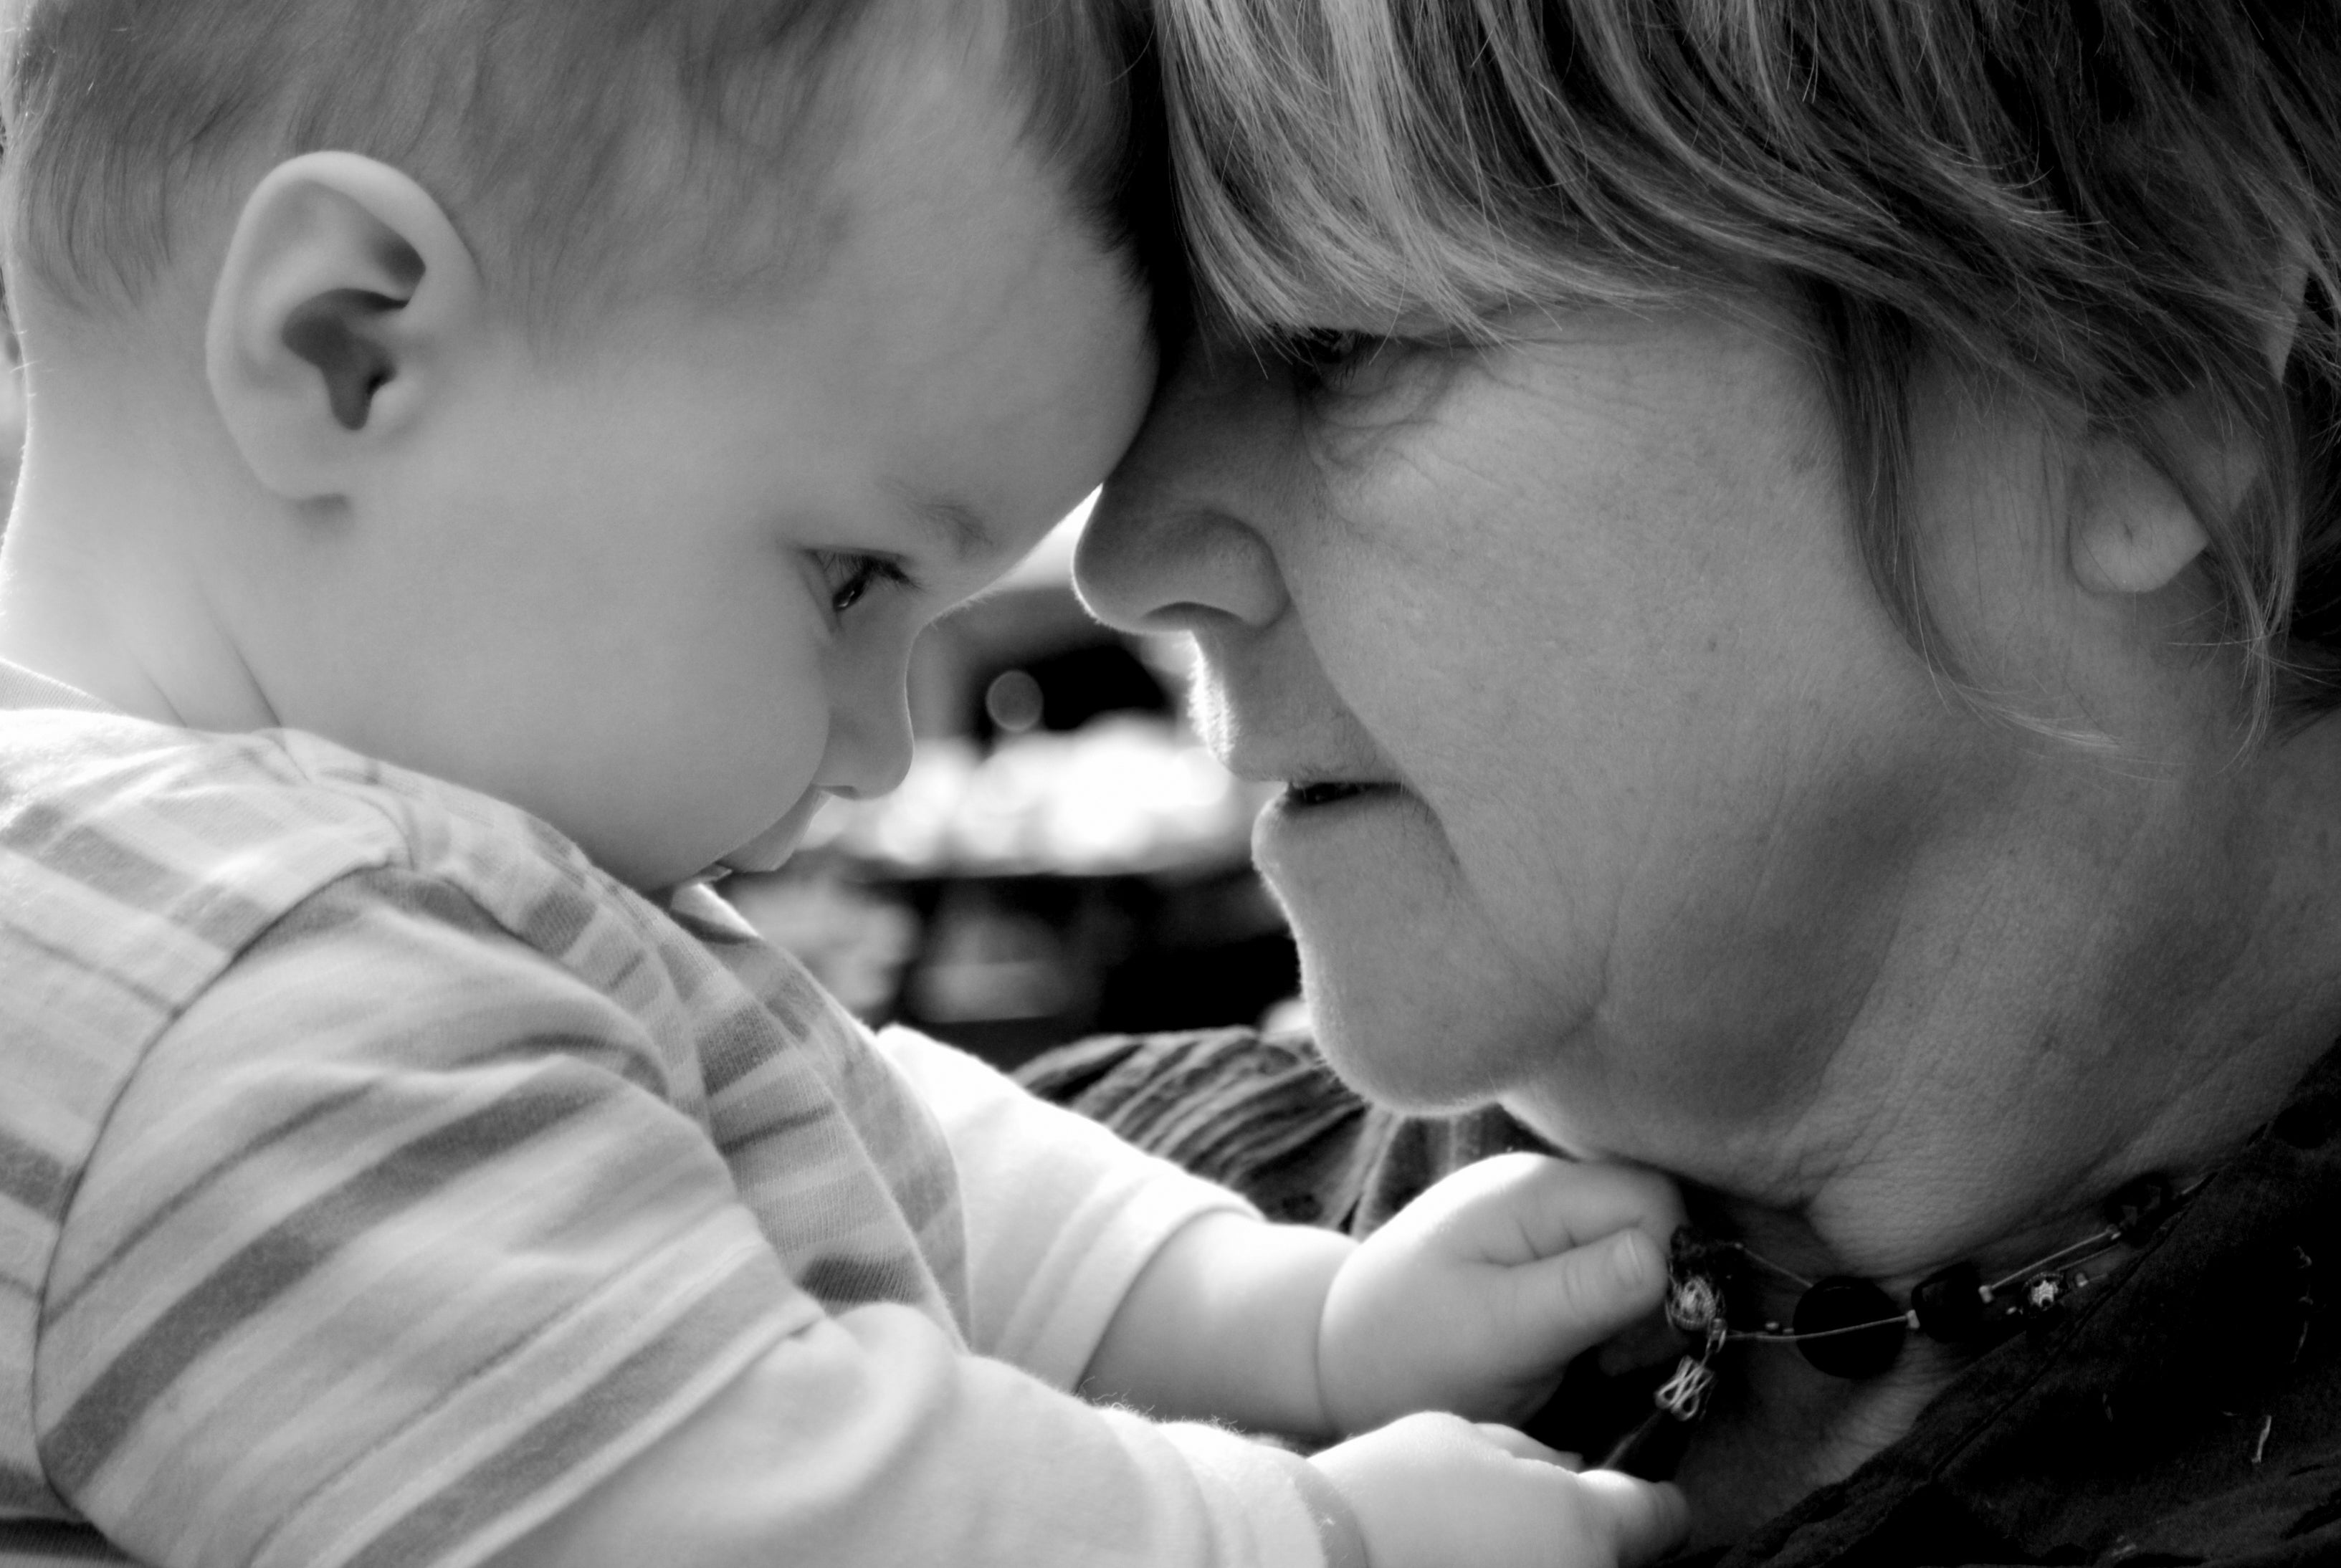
(657, 863)
(759, 862)
(659, 871)
(773, 848)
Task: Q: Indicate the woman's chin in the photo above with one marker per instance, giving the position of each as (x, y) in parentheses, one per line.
(1414, 998)
(1417, 1031)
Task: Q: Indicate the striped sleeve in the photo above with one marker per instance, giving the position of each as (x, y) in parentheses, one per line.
(392, 1250)
(872, 1441)
(1061, 1214)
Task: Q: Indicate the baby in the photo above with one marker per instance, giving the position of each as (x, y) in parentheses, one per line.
(489, 460)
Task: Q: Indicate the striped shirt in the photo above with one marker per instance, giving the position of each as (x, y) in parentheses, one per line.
(378, 1176)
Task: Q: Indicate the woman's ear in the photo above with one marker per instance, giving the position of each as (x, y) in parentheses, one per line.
(2133, 531)
(346, 295)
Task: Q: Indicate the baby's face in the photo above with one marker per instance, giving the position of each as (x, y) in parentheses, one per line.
(662, 592)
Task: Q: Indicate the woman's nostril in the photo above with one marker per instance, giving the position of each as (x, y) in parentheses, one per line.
(1184, 618)
(1179, 573)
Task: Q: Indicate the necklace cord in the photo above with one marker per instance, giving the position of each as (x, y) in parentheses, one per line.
(2104, 1241)
(1949, 1304)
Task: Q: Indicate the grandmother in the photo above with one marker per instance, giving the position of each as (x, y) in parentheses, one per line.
(1786, 554)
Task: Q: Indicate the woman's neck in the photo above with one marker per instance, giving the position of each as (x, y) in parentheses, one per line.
(1778, 1427)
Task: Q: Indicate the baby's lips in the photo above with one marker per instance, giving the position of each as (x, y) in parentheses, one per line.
(770, 851)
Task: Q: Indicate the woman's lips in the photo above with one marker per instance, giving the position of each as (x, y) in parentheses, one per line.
(1330, 793)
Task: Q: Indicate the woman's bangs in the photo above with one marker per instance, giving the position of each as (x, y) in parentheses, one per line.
(1325, 178)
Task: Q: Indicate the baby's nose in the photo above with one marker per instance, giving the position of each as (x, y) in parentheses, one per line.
(869, 747)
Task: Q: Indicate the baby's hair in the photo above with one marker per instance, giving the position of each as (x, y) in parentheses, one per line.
(583, 147)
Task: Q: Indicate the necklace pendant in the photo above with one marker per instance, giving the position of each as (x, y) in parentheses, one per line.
(2043, 1294)
(1694, 1304)
(1684, 1395)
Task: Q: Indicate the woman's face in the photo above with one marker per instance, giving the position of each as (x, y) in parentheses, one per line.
(1605, 761)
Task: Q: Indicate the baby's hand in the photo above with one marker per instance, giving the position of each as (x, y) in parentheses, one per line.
(1436, 1492)
(1475, 1298)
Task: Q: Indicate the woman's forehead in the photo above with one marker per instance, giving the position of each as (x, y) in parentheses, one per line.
(2103, 207)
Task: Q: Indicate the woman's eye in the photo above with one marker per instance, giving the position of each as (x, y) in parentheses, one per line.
(851, 577)
(1329, 359)
(1323, 350)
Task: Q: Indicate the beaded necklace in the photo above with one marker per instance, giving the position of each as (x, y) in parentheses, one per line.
(1849, 1327)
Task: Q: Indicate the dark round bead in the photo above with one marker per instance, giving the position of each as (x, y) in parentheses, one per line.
(1949, 1303)
(1843, 1303)
(2307, 1124)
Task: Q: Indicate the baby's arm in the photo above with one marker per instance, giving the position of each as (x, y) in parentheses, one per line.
(1223, 1326)
(1472, 1300)
(1096, 1265)
(868, 1440)
(915, 1454)
(1078, 1240)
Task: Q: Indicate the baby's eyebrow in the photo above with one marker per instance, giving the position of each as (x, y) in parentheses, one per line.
(961, 526)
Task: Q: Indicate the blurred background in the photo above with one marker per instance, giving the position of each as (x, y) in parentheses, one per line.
(1064, 859)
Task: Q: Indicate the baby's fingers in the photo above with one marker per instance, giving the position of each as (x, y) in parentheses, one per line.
(1517, 1207)
(1637, 1521)
(1520, 1446)
(1564, 1304)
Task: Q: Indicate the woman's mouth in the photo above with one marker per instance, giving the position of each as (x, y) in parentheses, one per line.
(1328, 792)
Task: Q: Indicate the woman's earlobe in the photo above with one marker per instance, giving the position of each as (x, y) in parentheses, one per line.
(2138, 521)
(345, 297)
(2135, 537)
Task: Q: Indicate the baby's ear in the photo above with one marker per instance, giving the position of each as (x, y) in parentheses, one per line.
(345, 300)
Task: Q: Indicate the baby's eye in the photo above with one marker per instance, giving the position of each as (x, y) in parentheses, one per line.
(851, 575)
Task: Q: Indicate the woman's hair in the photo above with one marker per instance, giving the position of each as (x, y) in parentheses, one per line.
(2117, 207)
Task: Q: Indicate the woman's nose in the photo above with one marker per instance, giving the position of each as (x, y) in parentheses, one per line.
(1176, 541)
